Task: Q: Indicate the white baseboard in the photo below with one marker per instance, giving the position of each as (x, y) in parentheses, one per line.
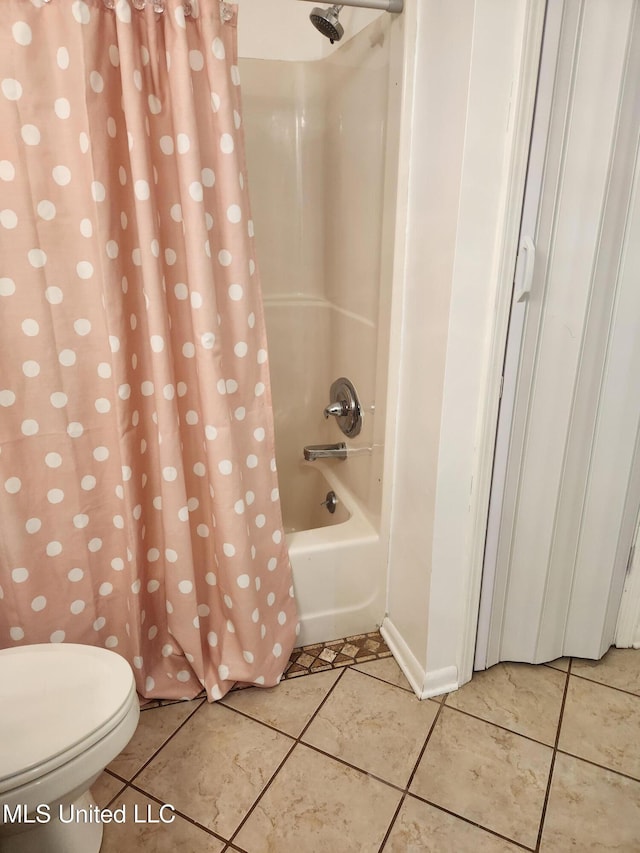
(403, 655)
(425, 684)
(440, 681)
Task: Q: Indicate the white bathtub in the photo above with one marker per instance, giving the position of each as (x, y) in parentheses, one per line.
(338, 589)
(324, 254)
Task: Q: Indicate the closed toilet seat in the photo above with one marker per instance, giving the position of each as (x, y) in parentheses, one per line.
(56, 702)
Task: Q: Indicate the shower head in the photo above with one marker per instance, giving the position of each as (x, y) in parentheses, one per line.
(326, 21)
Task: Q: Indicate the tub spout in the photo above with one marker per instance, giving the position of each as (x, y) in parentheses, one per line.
(325, 451)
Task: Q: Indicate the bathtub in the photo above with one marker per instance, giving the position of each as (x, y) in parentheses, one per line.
(337, 589)
(324, 252)
(338, 561)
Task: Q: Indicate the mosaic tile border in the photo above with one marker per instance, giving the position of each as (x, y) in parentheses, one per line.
(318, 657)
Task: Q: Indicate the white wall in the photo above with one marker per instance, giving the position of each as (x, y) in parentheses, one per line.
(464, 91)
(281, 30)
(433, 125)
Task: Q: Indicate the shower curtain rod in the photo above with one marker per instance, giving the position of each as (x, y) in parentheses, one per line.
(385, 5)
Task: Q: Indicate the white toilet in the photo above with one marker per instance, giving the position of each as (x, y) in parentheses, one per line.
(66, 711)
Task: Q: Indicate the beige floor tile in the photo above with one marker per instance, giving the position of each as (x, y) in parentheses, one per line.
(521, 697)
(559, 663)
(316, 804)
(132, 836)
(591, 810)
(287, 707)
(421, 828)
(602, 724)
(485, 774)
(618, 668)
(215, 767)
(105, 788)
(156, 725)
(373, 725)
(386, 669)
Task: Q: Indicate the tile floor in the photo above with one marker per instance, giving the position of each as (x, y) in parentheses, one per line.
(347, 759)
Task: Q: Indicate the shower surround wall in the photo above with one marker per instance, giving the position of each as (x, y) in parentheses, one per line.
(316, 135)
(316, 151)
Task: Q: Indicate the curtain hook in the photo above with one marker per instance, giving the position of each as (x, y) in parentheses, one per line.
(226, 12)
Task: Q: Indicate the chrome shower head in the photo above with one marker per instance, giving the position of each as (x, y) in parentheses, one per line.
(326, 21)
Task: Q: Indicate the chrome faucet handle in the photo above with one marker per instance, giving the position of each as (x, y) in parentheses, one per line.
(339, 409)
(345, 407)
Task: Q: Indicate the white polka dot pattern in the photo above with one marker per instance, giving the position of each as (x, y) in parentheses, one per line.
(136, 476)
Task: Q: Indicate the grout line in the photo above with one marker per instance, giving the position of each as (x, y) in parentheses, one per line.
(383, 680)
(171, 737)
(442, 808)
(261, 793)
(440, 701)
(179, 813)
(545, 804)
(600, 766)
(315, 713)
(116, 796)
(411, 775)
(549, 665)
(392, 823)
(405, 791)
(481, 826)
(408, 793)
(116, 776)
(342, 761)
(568, 675)
(436, 699)
(424, 746)
(499, 726)
(299, 740)
(347, 763)
(296, 741)
(256, 720)
(441, 704)
(455, 814)
(602, 684)
(592, 680)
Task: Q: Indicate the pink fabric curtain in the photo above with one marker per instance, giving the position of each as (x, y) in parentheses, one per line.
(139, 503)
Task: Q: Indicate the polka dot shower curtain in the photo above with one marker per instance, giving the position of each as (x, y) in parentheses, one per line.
(138, 493)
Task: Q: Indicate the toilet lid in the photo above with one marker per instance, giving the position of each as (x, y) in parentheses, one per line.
(54, 698)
